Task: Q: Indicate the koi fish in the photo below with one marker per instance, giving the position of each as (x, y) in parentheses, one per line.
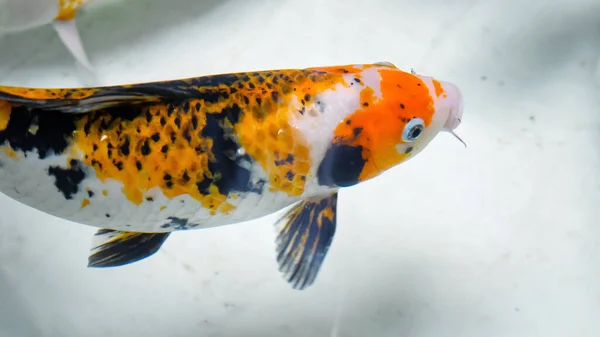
(18, 15)
(141, 161)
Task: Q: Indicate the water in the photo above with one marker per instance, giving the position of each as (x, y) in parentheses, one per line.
(500, 239)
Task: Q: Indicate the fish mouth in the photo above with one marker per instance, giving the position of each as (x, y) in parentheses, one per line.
(456, 106)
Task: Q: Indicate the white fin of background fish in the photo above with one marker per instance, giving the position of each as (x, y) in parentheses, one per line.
(69, 35)
(19, 15)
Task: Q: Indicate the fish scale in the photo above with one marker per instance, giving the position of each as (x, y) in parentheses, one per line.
(141, 161)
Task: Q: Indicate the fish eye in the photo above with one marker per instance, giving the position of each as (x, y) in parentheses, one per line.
(413, 129)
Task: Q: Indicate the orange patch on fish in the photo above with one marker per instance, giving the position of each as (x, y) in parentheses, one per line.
(5, 111)
(68, 8)
(85, 202)
(265, 131)
(160, 147)
(278, 148)
(439, 90)
(377, 127)
(9, 151)
(328, 213)
(346, 69)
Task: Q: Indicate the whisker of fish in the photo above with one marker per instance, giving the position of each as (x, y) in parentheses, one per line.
(457, 137)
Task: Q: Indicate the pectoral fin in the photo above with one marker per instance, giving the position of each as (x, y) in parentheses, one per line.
(113, 248)
(69, 35)
(305, 234)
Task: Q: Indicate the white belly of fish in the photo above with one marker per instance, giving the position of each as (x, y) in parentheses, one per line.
(104, 205)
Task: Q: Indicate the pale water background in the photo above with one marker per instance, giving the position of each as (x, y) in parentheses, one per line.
(499, 240)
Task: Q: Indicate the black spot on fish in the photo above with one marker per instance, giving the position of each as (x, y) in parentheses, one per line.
(203, 186)
(107, 215)
(289, 159)
(179, 224)
(187, 136)
(96, 163)
(149, 199)
(341, 166)
(138, 165)
(146, 148)
(124, 112)
(90, 193)
(55, 131)
(401, 106)
(408, 150)
(234, 113)
(365, 104)
(164, 149)
(226, 174)
(67, 180)
(170, 110)
(156, 137)
(124, 148)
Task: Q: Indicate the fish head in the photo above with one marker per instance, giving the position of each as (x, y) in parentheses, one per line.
(418, 108)
(401, 113)
(443, 114)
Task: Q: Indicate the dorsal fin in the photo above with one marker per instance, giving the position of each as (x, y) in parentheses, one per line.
(83, 100)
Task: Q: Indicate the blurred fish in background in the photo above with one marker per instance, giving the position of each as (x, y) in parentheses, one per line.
(20, 15)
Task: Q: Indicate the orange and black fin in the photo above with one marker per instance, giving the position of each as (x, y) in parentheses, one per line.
(114, 248)
(305, 234)
(73, 100)
(83, 100)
